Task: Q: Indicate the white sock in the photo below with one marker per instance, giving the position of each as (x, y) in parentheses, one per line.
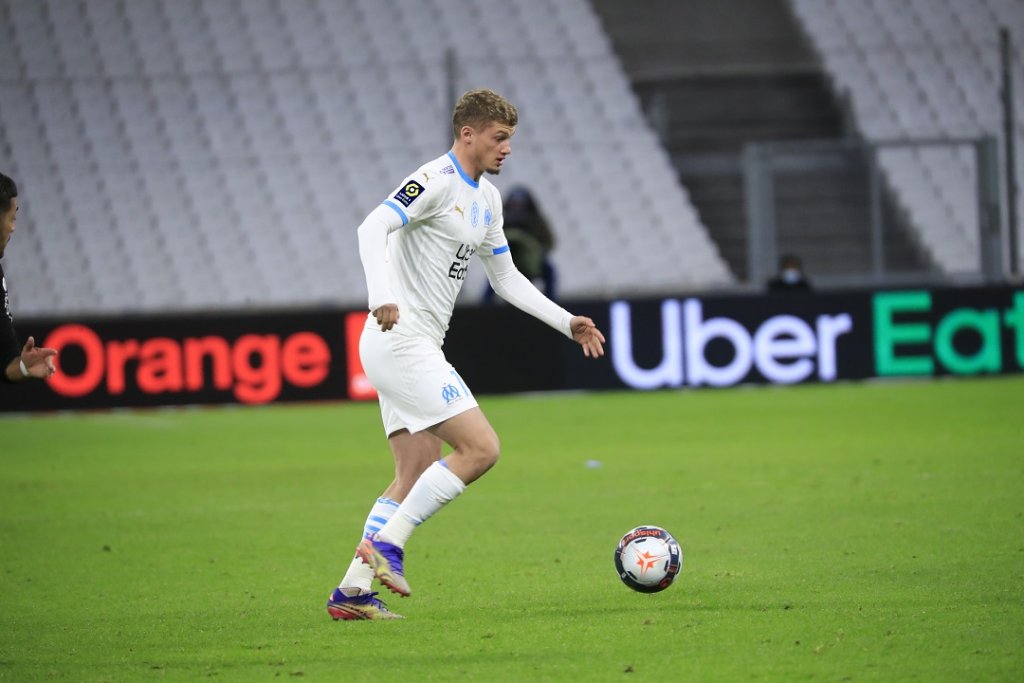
(435, 488)
(359, 576)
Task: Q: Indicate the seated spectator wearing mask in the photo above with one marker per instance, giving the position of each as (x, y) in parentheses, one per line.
(791, 277)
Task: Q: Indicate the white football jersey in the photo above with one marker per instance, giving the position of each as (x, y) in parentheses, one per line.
(445, 218)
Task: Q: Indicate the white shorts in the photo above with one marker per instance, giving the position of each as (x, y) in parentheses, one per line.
(417, 386)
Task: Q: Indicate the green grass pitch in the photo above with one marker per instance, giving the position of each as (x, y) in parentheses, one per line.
(862, 532)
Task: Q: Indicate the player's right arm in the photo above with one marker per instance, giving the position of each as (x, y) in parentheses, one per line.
(411, 202)
(373, 252)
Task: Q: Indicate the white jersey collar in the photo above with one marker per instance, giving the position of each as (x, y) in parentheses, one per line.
(465, 176)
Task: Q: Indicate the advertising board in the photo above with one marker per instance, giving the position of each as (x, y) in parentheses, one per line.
(670, 343)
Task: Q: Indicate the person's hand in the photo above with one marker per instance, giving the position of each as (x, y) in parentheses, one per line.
(38, 361)
(586, 334)
(387, 316)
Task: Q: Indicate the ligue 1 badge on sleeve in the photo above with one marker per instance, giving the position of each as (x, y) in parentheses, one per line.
(409, 192)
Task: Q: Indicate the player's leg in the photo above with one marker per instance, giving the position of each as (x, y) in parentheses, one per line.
(476, 449)
(413, 453)
(475, 443)
(359, 577)
(425, 393)
(353, 599)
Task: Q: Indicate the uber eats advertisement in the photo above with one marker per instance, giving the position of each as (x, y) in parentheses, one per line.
(791, 338)
(669, 343)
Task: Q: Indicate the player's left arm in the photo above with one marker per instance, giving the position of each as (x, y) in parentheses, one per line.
(515, 288)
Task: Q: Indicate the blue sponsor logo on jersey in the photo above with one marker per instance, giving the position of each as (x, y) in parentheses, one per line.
(487, 216)
(474, 215)
(450, 393)
(409, 192)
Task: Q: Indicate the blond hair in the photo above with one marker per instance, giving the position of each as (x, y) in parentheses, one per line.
(477, 108)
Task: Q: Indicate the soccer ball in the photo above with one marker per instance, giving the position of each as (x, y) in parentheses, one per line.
(648, 559)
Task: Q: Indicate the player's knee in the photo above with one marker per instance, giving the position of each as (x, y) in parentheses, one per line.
(493, 449)
(485, 450)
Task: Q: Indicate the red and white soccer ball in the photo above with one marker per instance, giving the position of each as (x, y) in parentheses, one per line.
(648, 559)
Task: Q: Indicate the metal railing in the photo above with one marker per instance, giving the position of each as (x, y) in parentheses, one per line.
(877, 214)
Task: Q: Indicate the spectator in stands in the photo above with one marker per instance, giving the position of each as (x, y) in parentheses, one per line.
(19, 363)
(791, 276)
(530, 240)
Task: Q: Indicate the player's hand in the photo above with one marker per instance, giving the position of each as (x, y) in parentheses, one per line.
(586, 334)
(38, 361)
(387, 316)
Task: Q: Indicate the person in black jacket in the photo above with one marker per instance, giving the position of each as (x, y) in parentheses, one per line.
(530, 240)
(19, 363)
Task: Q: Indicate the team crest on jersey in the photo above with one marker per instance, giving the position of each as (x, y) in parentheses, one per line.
(448, 170)
(409, 192)
(474, 215)
(450, 393)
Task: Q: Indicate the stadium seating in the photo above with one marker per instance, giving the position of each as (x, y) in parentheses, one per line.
(205, 154)
(925, 69)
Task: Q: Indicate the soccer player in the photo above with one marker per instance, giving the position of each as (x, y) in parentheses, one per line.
(415, 248)
(18, 363)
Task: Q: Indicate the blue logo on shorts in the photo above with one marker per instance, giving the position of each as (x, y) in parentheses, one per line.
(450, 393)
